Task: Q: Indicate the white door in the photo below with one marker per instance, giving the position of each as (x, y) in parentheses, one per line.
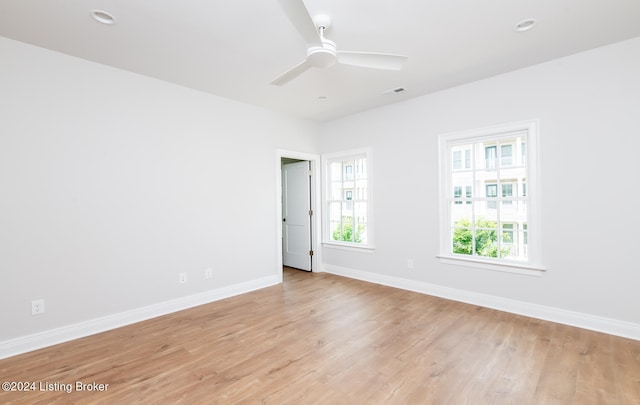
(296, 215)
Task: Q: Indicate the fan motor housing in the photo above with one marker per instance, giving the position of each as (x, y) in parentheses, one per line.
(322, 56)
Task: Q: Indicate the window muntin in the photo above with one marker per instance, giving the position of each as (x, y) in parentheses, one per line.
(347, 200)
(492, 226)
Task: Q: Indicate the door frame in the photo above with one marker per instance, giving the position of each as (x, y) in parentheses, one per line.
(316, 203)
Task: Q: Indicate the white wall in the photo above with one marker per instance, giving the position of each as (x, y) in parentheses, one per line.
(588, 106)
(113, 183)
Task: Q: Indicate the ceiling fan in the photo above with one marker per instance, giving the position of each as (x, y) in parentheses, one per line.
(322, 52)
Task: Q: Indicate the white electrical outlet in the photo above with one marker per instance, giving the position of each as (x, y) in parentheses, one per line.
(182, 278)
(409, 263)
(208, 273)
(37, 307)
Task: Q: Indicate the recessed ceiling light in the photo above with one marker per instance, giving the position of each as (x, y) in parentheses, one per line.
(103, 17)
(525, 25)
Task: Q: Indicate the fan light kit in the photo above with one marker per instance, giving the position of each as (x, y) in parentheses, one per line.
(103, 17)
(322, 52)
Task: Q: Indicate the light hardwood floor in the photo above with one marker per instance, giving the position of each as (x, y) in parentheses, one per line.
(324, 339)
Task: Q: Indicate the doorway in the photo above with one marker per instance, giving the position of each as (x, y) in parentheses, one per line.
(297, 250)
(298, 213)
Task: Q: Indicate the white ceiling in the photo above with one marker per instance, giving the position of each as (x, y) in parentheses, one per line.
(234, 49)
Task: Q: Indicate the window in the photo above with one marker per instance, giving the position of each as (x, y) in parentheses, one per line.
(347, 202)
(505, 151)
(492, 193)
(457, 160)
(507, 233)
(490, 157)
(348, 171)
(458, 163)
(507, 191)
(497, 228)
(457, 194)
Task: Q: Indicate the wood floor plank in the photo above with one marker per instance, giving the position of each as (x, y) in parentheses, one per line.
(557, 383)
(626, 368)
(596, 379)
(324, 339)
(517, 384)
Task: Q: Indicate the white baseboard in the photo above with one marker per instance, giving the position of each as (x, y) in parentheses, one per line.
(23, 344)
(581, 320)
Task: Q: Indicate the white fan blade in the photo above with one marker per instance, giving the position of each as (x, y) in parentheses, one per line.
(300, 18)
(291, 74)
(372, 60)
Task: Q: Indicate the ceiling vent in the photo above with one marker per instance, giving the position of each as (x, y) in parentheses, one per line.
(396, 90)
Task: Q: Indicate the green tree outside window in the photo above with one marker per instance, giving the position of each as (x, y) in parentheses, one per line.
(486, 238)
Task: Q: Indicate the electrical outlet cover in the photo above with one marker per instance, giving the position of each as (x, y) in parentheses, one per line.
(37, 307)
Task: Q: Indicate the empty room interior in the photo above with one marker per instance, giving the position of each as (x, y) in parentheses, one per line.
(320, 202)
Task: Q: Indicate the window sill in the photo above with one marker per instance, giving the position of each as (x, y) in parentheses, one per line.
(509, 267)
(352, 248)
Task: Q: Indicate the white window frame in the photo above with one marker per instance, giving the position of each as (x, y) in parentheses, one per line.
(327, 159)
(533, 265)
